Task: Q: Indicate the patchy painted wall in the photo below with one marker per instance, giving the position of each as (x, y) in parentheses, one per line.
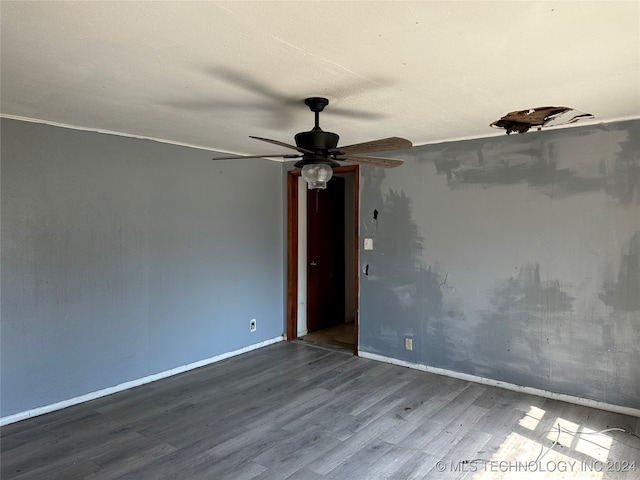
(123, 258)
(513, 258)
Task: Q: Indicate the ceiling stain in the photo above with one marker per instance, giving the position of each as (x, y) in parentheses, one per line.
(522, 120)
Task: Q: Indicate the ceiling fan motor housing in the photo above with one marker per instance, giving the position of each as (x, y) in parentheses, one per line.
(321, 143)
(317, 141)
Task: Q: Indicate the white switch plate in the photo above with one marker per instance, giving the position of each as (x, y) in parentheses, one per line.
(368, 243)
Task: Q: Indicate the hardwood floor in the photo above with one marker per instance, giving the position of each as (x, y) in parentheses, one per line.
(340, 336)
(295, 411)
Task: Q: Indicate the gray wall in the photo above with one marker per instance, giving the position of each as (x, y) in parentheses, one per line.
(515, 258)
(123, 258)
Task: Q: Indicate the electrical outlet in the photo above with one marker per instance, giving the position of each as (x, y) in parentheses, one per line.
(408, 343)
(252, 325)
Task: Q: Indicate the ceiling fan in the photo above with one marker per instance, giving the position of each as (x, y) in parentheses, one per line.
(319, 152)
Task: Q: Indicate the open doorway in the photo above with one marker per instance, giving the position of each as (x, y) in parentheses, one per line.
(322, 277)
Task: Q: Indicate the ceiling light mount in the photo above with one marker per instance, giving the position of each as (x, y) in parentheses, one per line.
(316, 104)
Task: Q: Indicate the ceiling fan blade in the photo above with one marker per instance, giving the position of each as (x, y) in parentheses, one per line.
(267, 155)
(282, 144)
(375, 161)
(391, 143)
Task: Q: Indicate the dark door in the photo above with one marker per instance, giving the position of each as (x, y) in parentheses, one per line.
(325, 256)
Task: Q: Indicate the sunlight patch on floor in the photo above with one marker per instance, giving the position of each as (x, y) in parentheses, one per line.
(567, 450)
(589, 442)
(532, 418)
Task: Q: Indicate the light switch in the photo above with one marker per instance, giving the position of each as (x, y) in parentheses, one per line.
(368, 243)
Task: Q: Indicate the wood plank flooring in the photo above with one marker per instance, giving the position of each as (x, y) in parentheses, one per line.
(341, 336)
(296, 411)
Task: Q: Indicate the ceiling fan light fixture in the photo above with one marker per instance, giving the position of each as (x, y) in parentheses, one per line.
(317, 175)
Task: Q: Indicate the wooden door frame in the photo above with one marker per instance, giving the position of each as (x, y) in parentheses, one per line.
(292, 249)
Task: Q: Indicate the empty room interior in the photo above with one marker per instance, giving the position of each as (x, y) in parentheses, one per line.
(320, 240)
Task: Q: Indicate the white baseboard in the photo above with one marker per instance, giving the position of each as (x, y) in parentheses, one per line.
(508, 386)
(16, 417)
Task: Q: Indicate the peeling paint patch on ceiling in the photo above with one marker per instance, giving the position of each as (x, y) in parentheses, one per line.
(522, 120)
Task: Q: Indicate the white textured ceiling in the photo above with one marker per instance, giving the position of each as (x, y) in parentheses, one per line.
(209, 74)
